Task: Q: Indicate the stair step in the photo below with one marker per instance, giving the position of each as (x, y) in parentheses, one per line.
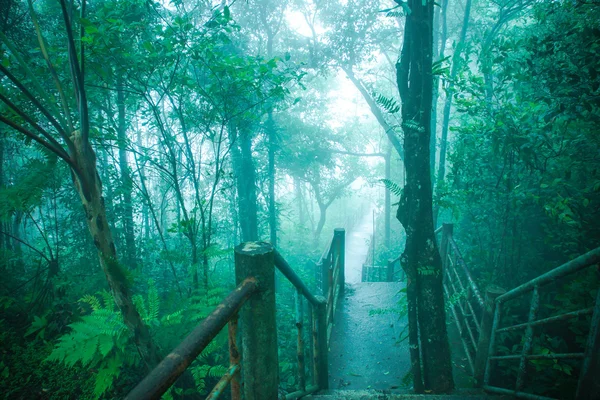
(397, 395)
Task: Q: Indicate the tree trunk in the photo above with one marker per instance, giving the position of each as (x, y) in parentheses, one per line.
(321, 223)
(421, 259)
(243, 166)
(456, 61)
(127, 186)
(88, 185)
(438, 54)
(270, 128)
(388, 203)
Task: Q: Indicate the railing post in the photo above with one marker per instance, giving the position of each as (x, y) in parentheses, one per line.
(325, 264)
(390, 270)
(447, 230)
(483, 344)
(340, 237)
(258, 328)
(321, 348)
(588, 387)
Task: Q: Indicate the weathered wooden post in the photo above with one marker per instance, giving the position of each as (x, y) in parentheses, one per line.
(339, 235)
(390, 270)
(260, 363)
(325, 264)
(483, 344)
(447, 230)
(321, 348)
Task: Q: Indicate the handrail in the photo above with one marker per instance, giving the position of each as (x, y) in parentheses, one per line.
(461, 292)
(588, 386)
(294, 279)
(255, 264)
(160, 379)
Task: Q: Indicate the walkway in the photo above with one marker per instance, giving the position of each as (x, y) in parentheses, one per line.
(364, 348)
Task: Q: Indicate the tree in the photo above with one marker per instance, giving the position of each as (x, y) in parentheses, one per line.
(77, 152)
(421, 259)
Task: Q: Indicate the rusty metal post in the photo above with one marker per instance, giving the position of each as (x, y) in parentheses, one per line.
(340, 238)
(300, 341)
(588, 387)
(258, 328)
(234, 358)
(483, 344)
(322, 348)
(390, 270)
(447, 230)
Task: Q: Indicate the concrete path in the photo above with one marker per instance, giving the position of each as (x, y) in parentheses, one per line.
(364, 348)
(357, 245)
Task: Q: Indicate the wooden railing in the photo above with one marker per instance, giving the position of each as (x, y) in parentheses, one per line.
(254, 365)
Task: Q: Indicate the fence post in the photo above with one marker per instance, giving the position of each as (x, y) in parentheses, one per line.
(322, 349)
(483, 344)
(588, 387)
(447, 230)
(390, 270)
(325, 264)
(340, 237)
(258, 328)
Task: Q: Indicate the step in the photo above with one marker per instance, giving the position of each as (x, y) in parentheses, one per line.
(399, 395)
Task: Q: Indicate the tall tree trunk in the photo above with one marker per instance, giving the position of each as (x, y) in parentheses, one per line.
(456, 61)
(439, 39)
(421, 258)
(388, 203)
(298, 190)
(88, 185)
(243, 166)
(272, 205)
(127, 186)
(321, 223)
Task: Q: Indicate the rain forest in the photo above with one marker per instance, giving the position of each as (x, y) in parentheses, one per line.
(300, 199)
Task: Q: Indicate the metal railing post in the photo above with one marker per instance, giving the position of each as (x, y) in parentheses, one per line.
(447, 230)
(340, 237)
(483, 344)
(258, 328)
(322, 349)
(588, 387)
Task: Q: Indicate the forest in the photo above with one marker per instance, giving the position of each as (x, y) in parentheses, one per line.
(141, 141)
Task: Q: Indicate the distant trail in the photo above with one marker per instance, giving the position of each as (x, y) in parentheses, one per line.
(357, 245)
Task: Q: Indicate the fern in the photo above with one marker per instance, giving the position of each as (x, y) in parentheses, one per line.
(153, 302)
(389, 104)
(392, 187)
(92, 301)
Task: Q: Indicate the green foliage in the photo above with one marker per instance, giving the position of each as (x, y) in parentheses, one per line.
(392, 187)
(390, 105)
(100, 340)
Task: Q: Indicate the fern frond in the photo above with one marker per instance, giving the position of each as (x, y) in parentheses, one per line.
(172, 319)
(92, 301)
(138, 302)
(108, 300)
(392, 186)
(153, 302)
(389, 104)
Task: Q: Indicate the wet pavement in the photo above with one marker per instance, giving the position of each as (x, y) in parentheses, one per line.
(357, 246)
(364, 348)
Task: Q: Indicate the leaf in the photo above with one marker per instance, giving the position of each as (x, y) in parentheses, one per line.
(389, 104)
